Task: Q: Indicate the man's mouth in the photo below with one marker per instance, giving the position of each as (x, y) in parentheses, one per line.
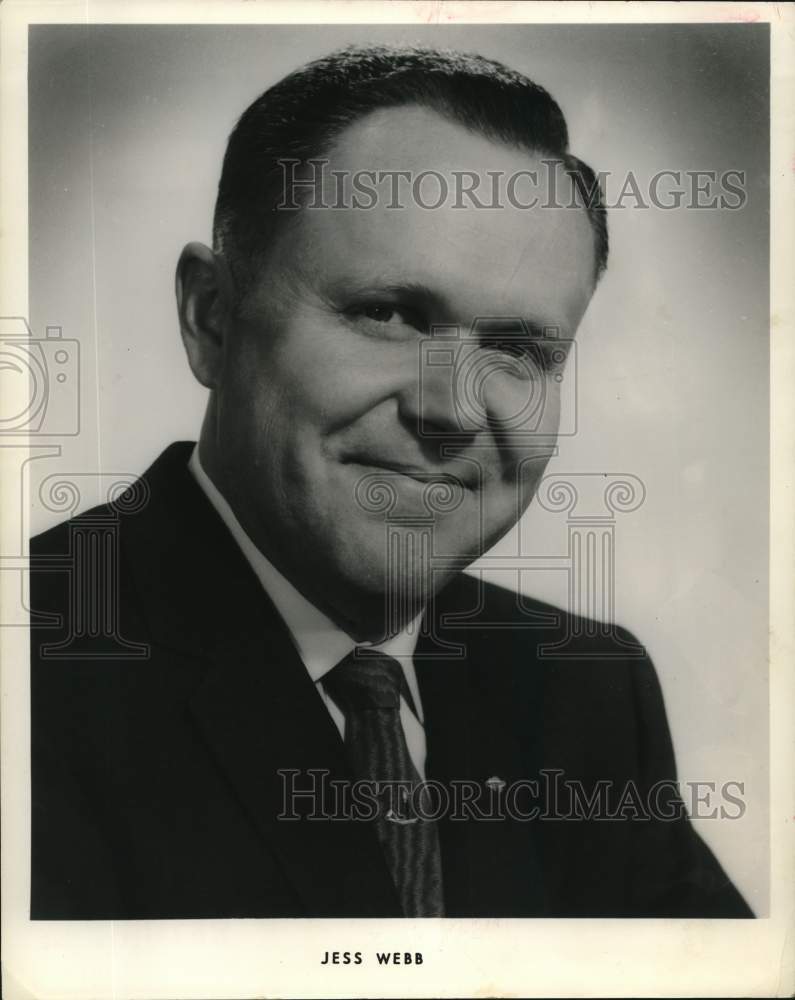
(418, 474)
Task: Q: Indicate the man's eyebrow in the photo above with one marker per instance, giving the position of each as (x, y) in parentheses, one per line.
(414, 290)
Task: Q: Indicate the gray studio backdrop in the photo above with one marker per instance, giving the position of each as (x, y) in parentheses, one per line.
(127, 127)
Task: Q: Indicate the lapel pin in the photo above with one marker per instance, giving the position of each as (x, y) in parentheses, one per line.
(392, 817)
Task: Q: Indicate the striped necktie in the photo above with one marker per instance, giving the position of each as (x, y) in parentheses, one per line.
(366, 686)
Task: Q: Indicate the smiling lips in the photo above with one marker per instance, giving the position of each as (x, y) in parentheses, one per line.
(461, 481)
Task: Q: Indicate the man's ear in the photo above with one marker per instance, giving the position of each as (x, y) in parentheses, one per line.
(203, 288)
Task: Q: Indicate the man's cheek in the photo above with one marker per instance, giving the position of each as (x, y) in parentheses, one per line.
(523, 451)
(524, 462)
(521, 409)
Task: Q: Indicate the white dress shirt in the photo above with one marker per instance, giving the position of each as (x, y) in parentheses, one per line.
(320, 643)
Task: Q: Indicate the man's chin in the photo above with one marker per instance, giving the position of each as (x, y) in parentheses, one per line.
(410, 575)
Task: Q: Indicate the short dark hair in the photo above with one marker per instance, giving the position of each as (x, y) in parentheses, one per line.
(300, 117)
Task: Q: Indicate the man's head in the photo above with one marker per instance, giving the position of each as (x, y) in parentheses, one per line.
(316, 328)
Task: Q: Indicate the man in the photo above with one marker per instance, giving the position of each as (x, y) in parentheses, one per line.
(384, 393)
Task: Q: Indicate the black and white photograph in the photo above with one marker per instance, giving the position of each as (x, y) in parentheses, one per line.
(393, 547)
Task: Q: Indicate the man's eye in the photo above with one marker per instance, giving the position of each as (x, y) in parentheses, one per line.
(383, 314)
(533, 358)
(520, 348)
(379, 313)
(516, 348)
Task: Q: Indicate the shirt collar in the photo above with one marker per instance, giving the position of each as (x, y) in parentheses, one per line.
(321, 644)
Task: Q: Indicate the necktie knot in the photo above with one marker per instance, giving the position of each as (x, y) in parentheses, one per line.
(366, 679)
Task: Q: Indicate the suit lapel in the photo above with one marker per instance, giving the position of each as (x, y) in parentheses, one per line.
(255, 704)
(270, 733)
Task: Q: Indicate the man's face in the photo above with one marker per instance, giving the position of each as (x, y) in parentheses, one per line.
(328, 385)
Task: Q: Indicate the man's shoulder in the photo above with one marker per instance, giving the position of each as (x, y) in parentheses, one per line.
(473, 601)
(136, 521)
(55, 555)
(54, 541)
(528, 645)
(166, 476)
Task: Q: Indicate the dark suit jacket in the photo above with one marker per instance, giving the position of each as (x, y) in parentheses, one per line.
(166, 697)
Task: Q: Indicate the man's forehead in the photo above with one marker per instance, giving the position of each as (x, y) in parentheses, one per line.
(513, 259)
